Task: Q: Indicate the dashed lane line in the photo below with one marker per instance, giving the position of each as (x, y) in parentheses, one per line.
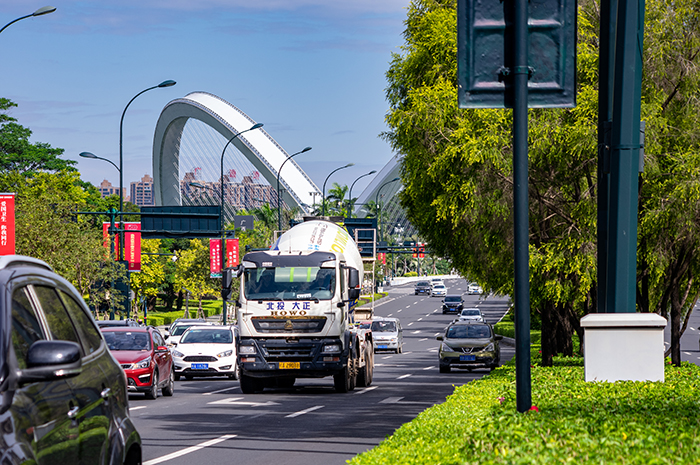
(371, 388)
(404, 376)
(304, 412)
(220, 390)
(189, 450)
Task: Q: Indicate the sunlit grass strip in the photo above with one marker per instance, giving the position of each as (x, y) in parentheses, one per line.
(577, 422)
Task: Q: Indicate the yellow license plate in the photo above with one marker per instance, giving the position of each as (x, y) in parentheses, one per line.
(289, 365)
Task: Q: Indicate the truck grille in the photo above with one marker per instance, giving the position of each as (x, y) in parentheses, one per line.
(300, 353)
(289, 325)
(199, 358)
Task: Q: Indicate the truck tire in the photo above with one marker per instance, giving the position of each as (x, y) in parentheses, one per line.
(364, 376)
(250, 385)
(341, 381)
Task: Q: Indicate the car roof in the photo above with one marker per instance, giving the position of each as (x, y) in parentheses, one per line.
(454, 295)
(127, 329)
(8, 261)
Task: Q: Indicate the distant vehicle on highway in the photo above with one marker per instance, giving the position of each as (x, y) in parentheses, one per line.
(469, 345)
(388, 334)
(129, 322)
(434, 281)
(452, 304)
(178, 328)
(475, 289)
(471, 314)
(146, 360)
(438, 290)
(422, 287)
(207, 350)
(64, 397)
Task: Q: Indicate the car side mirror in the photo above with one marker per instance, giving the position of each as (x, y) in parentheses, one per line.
(439, 338)
(498, 337)
(51, 360)
(161, 349)
(166, 336)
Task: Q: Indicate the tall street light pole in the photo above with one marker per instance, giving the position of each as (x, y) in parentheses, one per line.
(44, 10)
(376, 202)
(167, 83)
(279, 200)
(221, 214)
(350, 201)
(324, 185)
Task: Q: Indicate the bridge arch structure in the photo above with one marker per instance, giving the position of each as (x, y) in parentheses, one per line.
(298, 190)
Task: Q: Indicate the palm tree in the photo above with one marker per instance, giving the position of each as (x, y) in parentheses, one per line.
(335, 198)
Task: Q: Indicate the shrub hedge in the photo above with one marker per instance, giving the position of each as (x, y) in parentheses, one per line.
(575, 422)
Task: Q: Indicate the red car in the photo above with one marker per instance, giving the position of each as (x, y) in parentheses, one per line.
(144, 357)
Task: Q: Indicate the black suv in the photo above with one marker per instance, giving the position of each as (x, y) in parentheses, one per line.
(452, 304)
(64, 397)
(422, 287)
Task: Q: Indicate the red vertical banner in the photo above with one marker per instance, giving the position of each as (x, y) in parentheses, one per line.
(382, 257)
(215, 258)
(7, 224)
(132, 245)
(231, 253)
(105, 236)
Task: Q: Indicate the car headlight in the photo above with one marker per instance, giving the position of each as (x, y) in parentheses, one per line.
(445, 348)
(246, 349)
(178, 354)
(489, 348)
(145, 363)
(226, 353)
(331, 349)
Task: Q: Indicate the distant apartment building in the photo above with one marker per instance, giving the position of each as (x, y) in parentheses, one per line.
(245, 195)
(106, 188)
(142, 192)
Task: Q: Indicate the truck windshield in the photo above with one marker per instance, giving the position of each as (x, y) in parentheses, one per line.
(289, 283)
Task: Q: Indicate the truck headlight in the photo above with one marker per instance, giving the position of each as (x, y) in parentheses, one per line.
(247, 349)
(331, 349)
(145, 363)
(225, 354)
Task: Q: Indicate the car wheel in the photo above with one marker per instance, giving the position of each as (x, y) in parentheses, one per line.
(236, 372)
(153, 392)
(169, 389)
(445, 369)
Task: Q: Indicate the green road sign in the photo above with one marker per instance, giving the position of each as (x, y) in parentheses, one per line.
(485, 55)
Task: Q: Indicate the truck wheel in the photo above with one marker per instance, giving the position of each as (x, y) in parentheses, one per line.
(250, 385)
(341, 381)
(364, 376)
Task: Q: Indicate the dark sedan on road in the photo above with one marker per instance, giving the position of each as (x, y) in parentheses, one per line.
(422, 287)
(469, 345)
(452, 304)
(64, 397)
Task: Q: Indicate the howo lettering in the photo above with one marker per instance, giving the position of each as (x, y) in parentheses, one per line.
(295, 311)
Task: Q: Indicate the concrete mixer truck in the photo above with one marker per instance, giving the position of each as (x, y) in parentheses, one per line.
(295, 311)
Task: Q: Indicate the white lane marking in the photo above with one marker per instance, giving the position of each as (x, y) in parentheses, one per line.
(220, 390)
(189, 450)
(424, 339)
(437, 334)
(131, 409)
(404, 376)
(371, 388)
(409, 324)
(391, 400)
(416, 332)
(384, 302)
(435, 311)
(388, 356)
(390, 314)
(399, 311)
(378, 364)
(432, 350)
(408, 306)
(237, 401)
(304, 412)
(428, 368)
(687, 353)
(420, 319)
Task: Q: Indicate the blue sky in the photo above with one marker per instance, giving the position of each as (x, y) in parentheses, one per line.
(311, 70)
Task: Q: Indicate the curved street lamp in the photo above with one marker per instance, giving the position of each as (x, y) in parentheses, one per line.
(44, 10)
(221, 214)
(351, 203)
(279, 202)
(167, 83)
(376, 202)
(324, 185)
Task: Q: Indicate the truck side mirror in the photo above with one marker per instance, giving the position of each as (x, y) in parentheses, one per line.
(226, 283)
(353, 284)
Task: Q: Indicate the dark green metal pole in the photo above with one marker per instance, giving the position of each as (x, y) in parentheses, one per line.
(624, 159)
(606, 67)
(520, 199)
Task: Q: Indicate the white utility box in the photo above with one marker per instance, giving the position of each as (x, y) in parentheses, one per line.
(623, 346)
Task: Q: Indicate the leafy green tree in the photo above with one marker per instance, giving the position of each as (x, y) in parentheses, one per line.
(18, 154)
(149, 282)
(192, 272)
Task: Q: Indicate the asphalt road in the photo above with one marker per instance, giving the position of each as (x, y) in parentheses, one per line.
(209, 421)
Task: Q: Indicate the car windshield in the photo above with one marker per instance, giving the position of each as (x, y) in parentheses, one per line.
(384, 326)
(453, 299)
(422, 283)
(127, 340)
(471, 313)
(179, 329)
(207, 336)
(290, 283)
(468, 332)
(439, 286)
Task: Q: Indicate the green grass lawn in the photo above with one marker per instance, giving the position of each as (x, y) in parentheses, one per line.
(575, 422)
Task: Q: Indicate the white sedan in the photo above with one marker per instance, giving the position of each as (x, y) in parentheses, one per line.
(471, 314)
(438, 290)
(207, 351)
